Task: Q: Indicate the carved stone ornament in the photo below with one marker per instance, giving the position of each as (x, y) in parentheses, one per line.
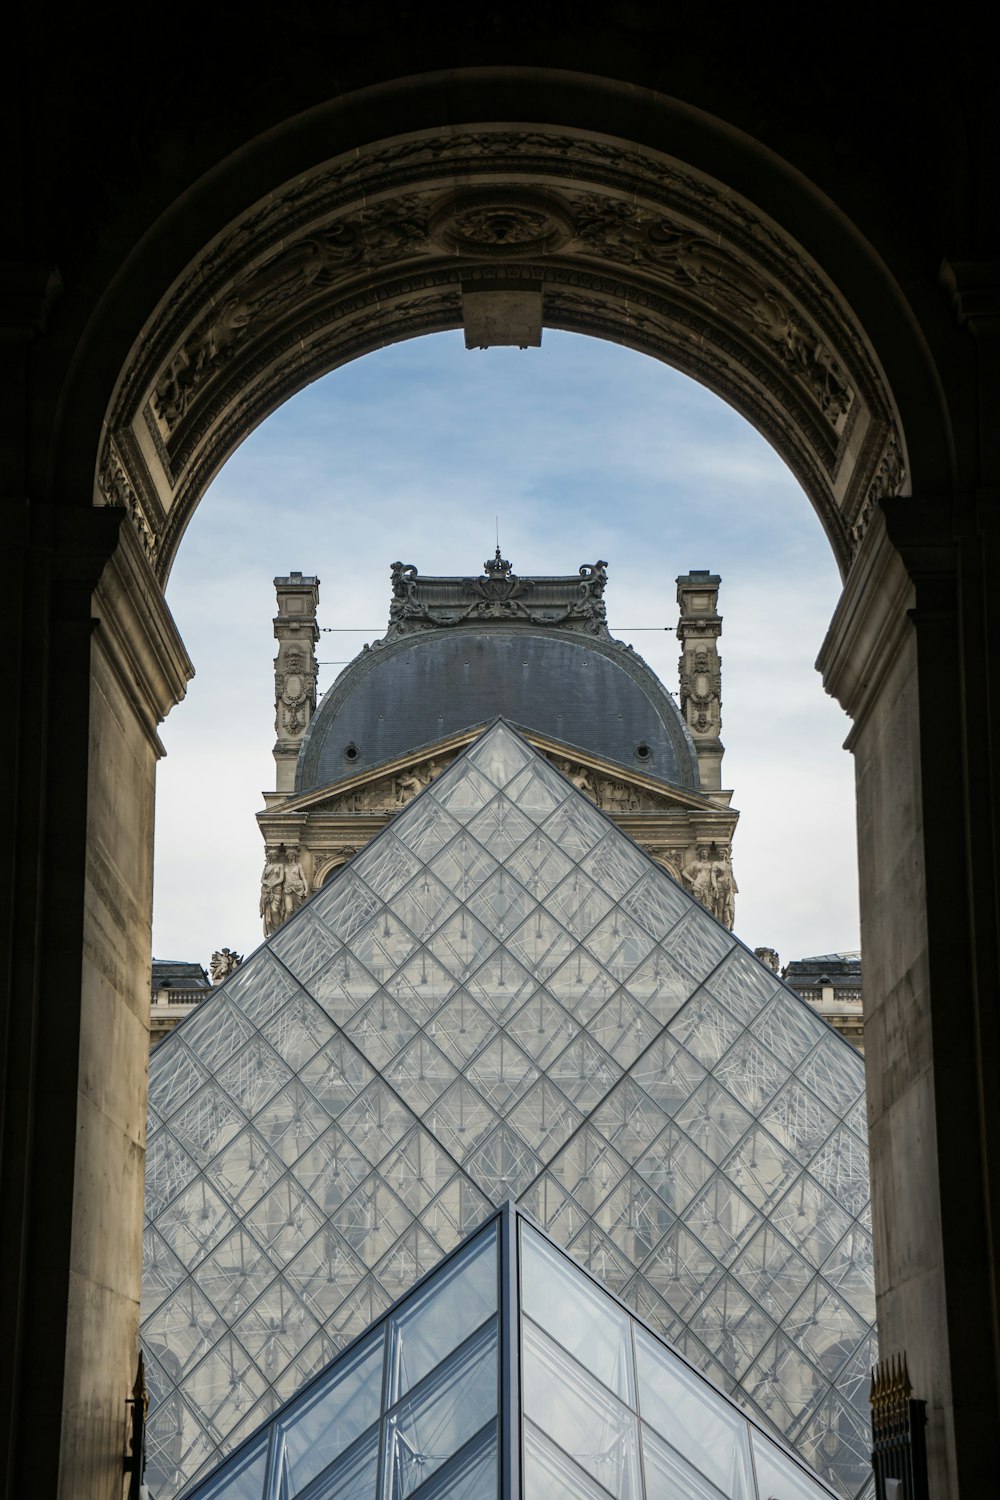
(224, 961)
(700, 690)
(576, 602)
(295, 691)
(390, 793)
(888, 479)
(494, 222)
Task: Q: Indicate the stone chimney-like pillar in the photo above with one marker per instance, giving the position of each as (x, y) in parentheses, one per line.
(700, 667)
(295, 670)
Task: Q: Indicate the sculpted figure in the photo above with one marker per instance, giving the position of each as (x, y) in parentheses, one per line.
(296, 886)
(723, 889)
(272, 883)
(223, 963)
(698, 878)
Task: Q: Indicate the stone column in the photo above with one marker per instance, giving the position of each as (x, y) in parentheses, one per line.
(902, 660)
(97, 663)
(295, 671)
(700, 670)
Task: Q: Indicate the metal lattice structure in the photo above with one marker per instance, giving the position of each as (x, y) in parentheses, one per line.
(503, 997)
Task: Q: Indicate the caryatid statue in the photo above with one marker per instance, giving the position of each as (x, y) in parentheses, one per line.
(272, 897)
(296, 886)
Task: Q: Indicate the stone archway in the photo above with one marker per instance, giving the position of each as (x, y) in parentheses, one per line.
(419, 233)
(669, 227)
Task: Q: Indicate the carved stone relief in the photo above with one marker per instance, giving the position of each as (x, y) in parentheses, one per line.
(701, 689)
(224, 961)
(295, 690)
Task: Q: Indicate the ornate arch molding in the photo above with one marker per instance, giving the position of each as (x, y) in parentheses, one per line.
(379, 245)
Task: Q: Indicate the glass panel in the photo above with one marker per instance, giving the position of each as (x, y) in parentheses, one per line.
(693, 1418)
(305, 946)
(657, 903)
(549, 1475)
(668, 1474)
(675, 1168)
(284, 1220)
(722, 1219)
(744, 986)
(354, 1476)
(460, 1119)
(588, 1168)
(503, 1166)
(457, 1209)
(235, 1274)
(835, 1072)
(841, 1166)
(386, 865)
(298, 1030)
(439, 1318)
(537, 788)
(706, 1029)
(421, 985)
(623, 1028)
(542, 1028)
(539, 865)
(501, 1072)
(462, 944)
(376, 1121)
(500, 985)
(460, 1027)
(195, 1222)
(577, 1315)
(214, 1032)
(411, 1257)
(501, 827)
(174, 1075)
(777, 1474)
(750, 1073)
(168, 1170)
(259, 989)
(473, 1476)
(581, 1416)
(799, 1120)
(732, 1326)
(699, 943)
(442, 1414)
(426, 828)
(810, 1219)
(290, 1123)
(500, 754)
(772, 1272)
(545, 1119)
(224, 1386)
(464, 792)
(424, 905)
(581, 985)
(241, 1480)
(372, 1220)
(788, 1028)
(417, 1169)
(342, 987)
(335, 1413)
(330, 1170)
(380, 1029)
(276, 1329)
(615, 863)
(207, 1122)
(635, 1218)
(325, 1273)
(661, 985)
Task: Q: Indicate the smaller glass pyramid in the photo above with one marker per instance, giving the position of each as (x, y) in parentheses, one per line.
(509, 1372)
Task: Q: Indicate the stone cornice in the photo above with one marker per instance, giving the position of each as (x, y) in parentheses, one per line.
(137, 635)
(870, 622)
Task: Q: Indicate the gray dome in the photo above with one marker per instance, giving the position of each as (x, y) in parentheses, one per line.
(593, 694)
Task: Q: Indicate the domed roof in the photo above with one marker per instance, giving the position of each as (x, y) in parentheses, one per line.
(461, 652)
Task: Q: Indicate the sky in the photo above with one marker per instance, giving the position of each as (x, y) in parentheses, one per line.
(578, 450)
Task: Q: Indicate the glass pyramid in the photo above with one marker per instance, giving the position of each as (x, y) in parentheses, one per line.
(503, 997)
(509, 1372)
